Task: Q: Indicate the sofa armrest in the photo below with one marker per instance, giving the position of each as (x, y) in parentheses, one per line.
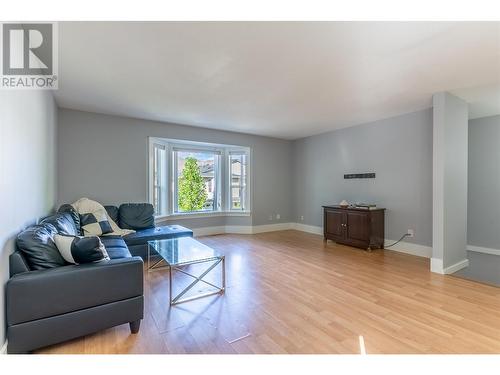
(40, 294)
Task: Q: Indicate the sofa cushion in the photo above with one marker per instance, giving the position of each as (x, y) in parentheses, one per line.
(115, 247)
(141, 237)
(136, 216)
(63, 222)
(80, 250)
(112, 213)
(74, 215)
(37, 244)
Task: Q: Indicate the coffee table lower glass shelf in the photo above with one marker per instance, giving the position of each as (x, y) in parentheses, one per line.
(177, 253)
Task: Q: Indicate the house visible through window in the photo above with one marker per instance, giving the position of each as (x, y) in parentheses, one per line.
(238, 167)
(198, 178)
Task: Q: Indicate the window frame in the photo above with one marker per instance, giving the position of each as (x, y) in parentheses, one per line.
(244, 184)
(223, 183)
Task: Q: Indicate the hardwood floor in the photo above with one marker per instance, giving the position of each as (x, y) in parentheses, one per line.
(287, 292)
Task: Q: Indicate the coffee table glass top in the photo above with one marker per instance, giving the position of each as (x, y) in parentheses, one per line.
(183, 250)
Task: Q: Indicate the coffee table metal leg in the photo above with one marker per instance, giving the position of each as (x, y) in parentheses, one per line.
(170, 284)
(177, 299)
(153, 267)
(223, 273)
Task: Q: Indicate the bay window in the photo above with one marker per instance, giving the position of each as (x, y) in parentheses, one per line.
(193, 178)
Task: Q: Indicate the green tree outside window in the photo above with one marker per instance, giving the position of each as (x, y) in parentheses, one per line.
(192, 194)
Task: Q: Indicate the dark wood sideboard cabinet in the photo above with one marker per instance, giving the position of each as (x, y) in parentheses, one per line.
(354, 226)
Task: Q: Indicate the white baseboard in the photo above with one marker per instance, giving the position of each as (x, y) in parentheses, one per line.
(241, 229)
(410, 248)
(208, 231)
(3, 349)
(484, 250)
(271, 227)
(456, 267)
(307, 228)
(437, 266)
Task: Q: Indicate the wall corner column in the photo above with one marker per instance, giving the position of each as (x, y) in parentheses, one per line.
(449, 202)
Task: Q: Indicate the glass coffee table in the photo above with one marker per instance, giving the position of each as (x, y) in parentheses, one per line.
(177, 253)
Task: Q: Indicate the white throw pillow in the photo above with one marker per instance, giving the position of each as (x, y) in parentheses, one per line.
(79, 250)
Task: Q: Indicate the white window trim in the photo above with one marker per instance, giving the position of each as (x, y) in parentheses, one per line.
(224, 182)
(229, 190)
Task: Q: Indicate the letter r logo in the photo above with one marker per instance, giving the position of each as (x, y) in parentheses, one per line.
(27, 49)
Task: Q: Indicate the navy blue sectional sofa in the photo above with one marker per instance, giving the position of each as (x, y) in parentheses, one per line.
(49, 301)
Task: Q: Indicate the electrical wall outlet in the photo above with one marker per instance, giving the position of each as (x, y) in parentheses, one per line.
(270, 217)
(411, 233)
(278, 216)
(302, 218)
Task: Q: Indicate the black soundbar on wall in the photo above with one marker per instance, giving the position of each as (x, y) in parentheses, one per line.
(358, 175)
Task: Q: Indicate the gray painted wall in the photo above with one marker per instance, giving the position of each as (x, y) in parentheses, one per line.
(483, 210)
(106, 158)
(484, 183)
(28, 121)
(482, 267)
(398, 150)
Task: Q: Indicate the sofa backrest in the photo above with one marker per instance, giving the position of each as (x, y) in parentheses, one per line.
(113, 213)
(63, 222)
(136, 216)
(74, 215)
(38, 248)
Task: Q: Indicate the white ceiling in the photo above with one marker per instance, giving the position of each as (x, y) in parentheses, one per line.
(483, 101)
(280, 79)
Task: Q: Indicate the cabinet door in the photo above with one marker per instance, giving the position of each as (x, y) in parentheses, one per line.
(334, 223)
(358, 226)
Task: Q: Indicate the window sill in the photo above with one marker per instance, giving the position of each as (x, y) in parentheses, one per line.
(196, 215)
